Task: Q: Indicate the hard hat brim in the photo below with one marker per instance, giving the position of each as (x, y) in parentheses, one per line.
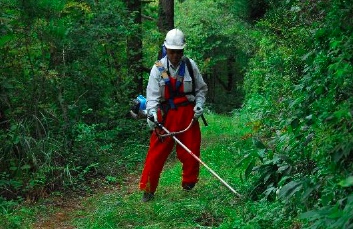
(174, 46)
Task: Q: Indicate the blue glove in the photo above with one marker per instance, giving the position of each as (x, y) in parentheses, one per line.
(150, 123)
(198, 110)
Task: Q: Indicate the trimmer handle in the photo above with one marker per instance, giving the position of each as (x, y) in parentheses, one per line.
(151, 118)
(204, 120)
(203, 117)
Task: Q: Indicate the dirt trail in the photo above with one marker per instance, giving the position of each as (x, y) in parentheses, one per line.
(66, 209)
(60, 212)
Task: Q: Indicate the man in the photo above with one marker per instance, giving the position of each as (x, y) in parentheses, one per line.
(174, 100)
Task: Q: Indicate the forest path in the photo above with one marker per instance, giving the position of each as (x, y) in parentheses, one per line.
(62, 211)
(120, 205)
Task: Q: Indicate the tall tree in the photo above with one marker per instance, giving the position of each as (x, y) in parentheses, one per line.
(166, 15)
(134, 45)
(165, 18)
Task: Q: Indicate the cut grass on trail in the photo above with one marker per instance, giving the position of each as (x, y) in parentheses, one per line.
(209, 204)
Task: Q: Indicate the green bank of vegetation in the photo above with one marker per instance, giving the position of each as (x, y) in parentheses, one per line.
(281, 71)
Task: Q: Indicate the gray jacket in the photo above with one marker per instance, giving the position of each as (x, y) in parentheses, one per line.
(156, 85)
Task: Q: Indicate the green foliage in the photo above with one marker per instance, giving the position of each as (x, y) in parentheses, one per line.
(64, 87)
(10, 215)
(215, 38)
(335, 216)
(307, 114)
(64, 95)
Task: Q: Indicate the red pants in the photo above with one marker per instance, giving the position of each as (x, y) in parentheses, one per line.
(159, 151)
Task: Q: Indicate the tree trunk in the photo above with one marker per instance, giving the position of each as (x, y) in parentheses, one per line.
(134, 46)
(166, 15)
(165, 18)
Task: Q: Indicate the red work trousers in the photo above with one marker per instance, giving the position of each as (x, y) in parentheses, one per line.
(158, 152)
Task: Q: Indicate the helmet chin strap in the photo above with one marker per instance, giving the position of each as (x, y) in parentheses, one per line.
(175, 64)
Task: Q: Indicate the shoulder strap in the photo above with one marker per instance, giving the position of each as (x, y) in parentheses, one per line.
(162, 70)
(191, 72)
(166, 79)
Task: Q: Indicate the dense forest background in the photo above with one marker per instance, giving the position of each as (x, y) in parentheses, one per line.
(69, 70)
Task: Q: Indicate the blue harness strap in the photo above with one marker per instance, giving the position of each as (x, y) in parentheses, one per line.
(174, 92)
(180, 78)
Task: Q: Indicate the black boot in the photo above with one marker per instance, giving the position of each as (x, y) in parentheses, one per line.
(188, 186)
(147, 196)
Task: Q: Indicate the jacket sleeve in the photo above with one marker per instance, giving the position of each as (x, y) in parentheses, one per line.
(153, 92)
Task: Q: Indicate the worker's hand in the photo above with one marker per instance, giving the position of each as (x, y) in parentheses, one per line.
(152, 124)
(198, 110)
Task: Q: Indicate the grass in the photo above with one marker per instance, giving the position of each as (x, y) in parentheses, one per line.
(209, 205)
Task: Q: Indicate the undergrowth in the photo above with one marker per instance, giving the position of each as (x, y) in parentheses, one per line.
(210, 205)
(225, 143)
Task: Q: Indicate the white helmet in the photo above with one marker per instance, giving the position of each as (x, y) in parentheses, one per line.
(174, 39)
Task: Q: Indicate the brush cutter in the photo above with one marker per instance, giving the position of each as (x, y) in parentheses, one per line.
(138, 109)
(168, 133)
